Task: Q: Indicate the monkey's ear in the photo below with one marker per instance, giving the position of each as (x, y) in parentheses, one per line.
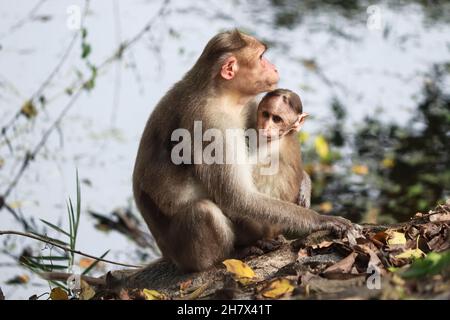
(300, 121)
(229, 68)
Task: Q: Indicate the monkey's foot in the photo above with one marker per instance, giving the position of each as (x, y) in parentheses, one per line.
(247, 252)
(268, 245)
(260, 247)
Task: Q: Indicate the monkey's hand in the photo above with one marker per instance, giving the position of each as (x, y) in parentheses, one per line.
(337, 225)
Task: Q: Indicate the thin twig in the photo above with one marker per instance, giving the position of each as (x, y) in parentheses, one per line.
(22, 21)
(31, 155)
(35, 237)
(128, 44)
(117, 55)
(118, 73)
(49, 78)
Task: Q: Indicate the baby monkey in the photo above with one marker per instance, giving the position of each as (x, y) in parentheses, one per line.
(279, 116)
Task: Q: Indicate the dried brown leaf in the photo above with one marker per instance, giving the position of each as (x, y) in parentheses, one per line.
(58, 294)
(124, 295)
(343, 266)
(323, 244)
(186, 284)
(87, 292)
(440, 217)
(302, 253)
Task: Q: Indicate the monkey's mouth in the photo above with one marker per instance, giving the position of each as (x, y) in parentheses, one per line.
(270, 137)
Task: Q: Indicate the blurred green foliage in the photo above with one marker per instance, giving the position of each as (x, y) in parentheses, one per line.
(384, 172)
(289, 13)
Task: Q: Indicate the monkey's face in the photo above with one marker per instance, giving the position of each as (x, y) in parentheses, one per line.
(248, 72)
(276, 118)
(258, 74)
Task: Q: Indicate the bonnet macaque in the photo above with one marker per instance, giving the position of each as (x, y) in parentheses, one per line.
(278, 118)
(191, 207)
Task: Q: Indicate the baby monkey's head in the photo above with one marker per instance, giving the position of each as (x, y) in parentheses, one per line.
(280, 112)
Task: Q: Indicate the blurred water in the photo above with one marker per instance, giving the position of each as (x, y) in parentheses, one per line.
(327, 55)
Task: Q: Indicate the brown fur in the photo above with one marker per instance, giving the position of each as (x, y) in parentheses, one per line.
(192, 209)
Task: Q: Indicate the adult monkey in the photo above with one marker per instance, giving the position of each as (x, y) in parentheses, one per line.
(184, 205)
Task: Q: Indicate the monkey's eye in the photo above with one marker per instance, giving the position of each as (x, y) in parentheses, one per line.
(261, 56)
(276, 119)
(265, 114)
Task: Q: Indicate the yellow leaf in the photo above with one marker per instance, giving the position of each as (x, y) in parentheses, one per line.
(28, 109)
(197, 292)
(239, 268)
(86, 291)
(20, 279)
(2, 162)
(326, 206)
(303, 137)
(321, 147)
(16, 204)
(245, 281)
(411, 254)
(278, 288)
(58, 294)
(153, 295)
(24, 278)
(388, 163)
(395, 237)
(360, 169)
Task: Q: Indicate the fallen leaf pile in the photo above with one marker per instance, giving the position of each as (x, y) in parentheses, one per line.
(378, 250)
(333, 265)
(405, 260)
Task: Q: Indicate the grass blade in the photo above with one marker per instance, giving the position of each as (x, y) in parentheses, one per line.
(78, 204)
(50, 258)
(51, 225)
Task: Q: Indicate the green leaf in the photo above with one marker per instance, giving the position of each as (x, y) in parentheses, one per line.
(89, 85)
(33, 265)
(415, 190)
(433, 263)
(85, 50)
